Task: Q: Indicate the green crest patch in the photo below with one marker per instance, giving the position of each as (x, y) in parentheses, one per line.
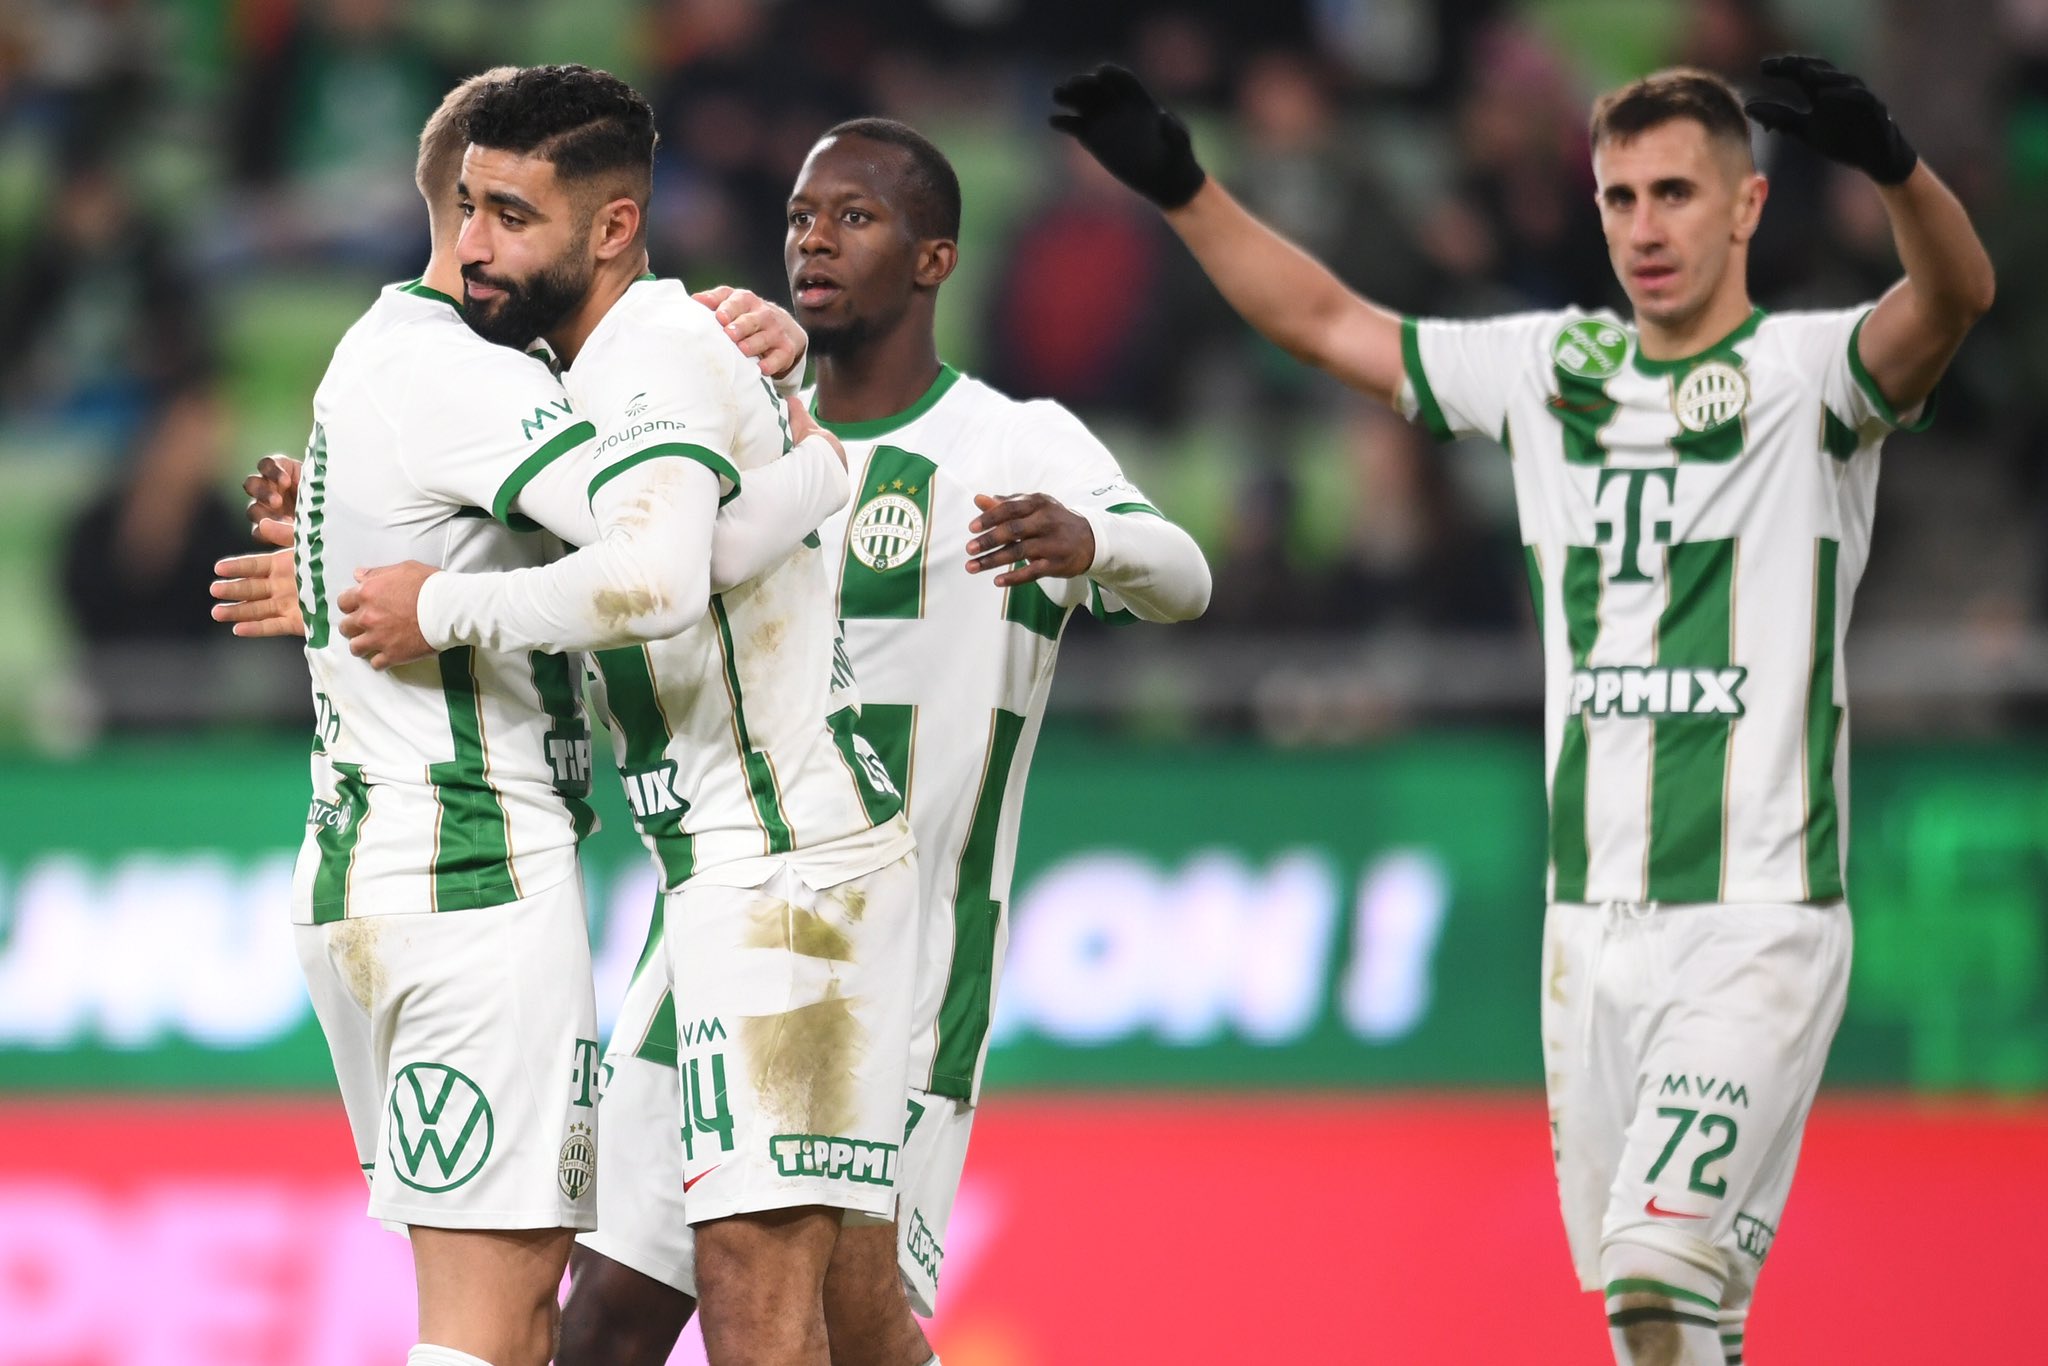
(1591, 348)
(441, 1127)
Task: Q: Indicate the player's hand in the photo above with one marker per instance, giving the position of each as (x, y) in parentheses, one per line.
(762, 331)
(802, 426)
(381, 614)
(1836, 114)
(273, 499)
(1038, 533)
(1136, 138)
(258, 594)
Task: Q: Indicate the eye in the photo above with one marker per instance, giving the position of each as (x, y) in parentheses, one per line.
(468, 209)
(512, 221)
(857, 216)
(799, 217)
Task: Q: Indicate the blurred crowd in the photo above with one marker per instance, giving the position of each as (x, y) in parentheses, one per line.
(171, 169)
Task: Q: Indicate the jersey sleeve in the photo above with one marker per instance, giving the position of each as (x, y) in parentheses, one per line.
(1457, 377)
(1825, 347)
(477, 432)
(1142, 559)
(669, 396)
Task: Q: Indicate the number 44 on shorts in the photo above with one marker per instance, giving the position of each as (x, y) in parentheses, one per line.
(1709, 1124)
(696, 1118)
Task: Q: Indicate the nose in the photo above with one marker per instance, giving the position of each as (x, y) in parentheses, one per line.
(472, 245)
(1645, 229)
(816, 239)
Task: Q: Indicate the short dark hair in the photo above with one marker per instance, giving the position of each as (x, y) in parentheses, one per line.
(1679, 92)
(590, 124)
(934, 188)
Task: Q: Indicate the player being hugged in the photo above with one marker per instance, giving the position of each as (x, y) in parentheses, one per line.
(979, 525)
(1695, 487)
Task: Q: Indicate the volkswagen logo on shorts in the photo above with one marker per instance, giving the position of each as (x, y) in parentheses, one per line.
(1711, 395)
(441, 1127)
(886, 531)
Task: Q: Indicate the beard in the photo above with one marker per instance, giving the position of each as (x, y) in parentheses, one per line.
(529, 308)
(841, 338)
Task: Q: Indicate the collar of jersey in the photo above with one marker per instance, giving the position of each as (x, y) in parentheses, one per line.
(882, 426)
(421, 288)
(1723, 347)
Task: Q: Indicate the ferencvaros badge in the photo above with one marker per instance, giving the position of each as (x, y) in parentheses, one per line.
(888, 530)
(1710, 395)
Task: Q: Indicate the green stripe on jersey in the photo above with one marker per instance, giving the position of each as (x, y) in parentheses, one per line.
(703, 455)
(1533, 562)
(1143, 509)
(762, 787)
(1837, 437)
(646, 771)
(964, 1013)
(1569, 851)
(882, 572)
(1426, 406)
(568, 737)
(1030, 606)
(337, 844)
(874, 790)
(1630, 1285)
(1689, 764)
(310, 564)
(891, 728)
(658, 1044)
(557, 446)
(472, 853)
(1823, 836)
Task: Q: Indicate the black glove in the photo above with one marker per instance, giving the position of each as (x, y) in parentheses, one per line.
(1842, 119)
(1136, 138)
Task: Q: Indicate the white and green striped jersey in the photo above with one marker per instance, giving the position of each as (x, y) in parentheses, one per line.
(726, 735)
(456, 782)
(1695, 530)
(954, 671)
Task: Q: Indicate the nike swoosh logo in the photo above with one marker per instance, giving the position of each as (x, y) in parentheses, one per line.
(1565, 405)
(715, 1166)
(1649, 1207)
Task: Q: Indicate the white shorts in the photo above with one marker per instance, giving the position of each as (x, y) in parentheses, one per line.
(465, 1045)
(1682, 1047)
(792, 1008)
(934, 1157)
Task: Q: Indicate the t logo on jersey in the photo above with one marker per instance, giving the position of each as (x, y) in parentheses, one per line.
(1632, 482)
(441, 1127)
(569, 755)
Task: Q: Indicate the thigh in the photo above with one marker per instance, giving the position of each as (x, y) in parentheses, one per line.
(1589, 1075)
(934, 1159)
(493, 1073)
(344, 1002)
(792, 1024)
(1751, 995)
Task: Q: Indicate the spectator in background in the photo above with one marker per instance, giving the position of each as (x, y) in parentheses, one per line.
(1416, 560)
(328, 130)
(102, 316)
(1522, 136)
(1084, 309)
(1258, 584)
(738, 105)
(134, 556)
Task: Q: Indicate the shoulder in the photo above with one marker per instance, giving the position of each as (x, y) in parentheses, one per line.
(1822, 333)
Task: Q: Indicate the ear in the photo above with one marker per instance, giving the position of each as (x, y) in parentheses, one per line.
(1749, 205)
(936, 258)
(614, 228)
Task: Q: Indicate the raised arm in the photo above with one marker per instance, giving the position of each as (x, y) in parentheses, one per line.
(1291, 298)
(1909, 339)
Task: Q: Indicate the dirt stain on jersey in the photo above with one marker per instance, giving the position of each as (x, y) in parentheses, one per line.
(616, 607)
(766, 638)
(803, 1063)
(352, 947)
(854, 900)
(779, 925)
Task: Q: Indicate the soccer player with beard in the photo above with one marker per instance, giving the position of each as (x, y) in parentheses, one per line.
(953, 590)
(786, 864)
(1696, 487)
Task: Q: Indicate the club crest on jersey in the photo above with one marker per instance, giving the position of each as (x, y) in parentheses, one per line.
(1712, 394)
(1590, 348)
(578, 1165)
(887, 531)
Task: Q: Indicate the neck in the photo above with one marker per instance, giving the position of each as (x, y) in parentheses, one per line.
(1724, 312)
(884, 377)
(444, 270)
(607, 287)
